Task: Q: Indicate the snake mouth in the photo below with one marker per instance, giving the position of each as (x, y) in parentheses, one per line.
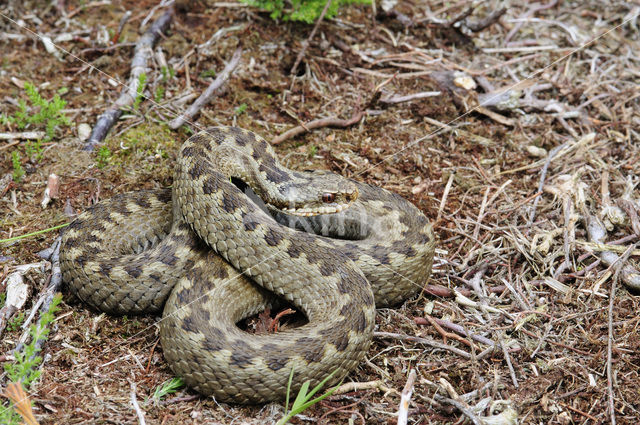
(311, 211)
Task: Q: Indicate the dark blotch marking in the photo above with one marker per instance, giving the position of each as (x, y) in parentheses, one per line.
(221, 272)
(276, 175)
(250, 224)
(196, 170)
(105, 268)
(402, 248)
(295, 249)
(210, 185)
(313, 353)
(167, 256)
(327, 267)
(142, 201)
(274, 358)
(133, 270)
(215, 339)
(189, 324)
(359, 318)
(381, 254)
(190, 151)
(230, 203)
(241, 356)
(184, 296)
(164, 196)
(340, 340)
(273, 238)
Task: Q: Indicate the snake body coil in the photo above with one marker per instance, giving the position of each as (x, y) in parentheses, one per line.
(212, 256)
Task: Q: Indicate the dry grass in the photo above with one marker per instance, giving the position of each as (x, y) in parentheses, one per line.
(513, 268)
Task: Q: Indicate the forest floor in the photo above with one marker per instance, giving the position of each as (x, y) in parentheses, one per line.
(526, 316)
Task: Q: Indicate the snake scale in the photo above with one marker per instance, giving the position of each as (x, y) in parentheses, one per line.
(210, 252)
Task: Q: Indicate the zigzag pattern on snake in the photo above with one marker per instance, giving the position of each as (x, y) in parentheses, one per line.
(209, 253)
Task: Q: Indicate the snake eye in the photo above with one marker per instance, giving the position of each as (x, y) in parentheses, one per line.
(328, 198)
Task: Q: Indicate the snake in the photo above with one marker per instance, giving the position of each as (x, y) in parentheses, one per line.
(235, 234)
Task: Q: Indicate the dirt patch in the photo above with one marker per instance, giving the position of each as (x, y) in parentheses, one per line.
(518, 252)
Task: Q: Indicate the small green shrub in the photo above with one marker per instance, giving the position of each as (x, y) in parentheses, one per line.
(40, 112)
(34, 149)
(159, 94)
(142, 83)
(16, 322)
(103, 156)
(210, 73)
(18, 171)
(25, 367)
(240, 109)
(301, 10)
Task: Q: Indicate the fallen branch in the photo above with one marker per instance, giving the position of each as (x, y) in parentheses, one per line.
(205, 98)
(23, 135)
(323, 122)
(142, 53)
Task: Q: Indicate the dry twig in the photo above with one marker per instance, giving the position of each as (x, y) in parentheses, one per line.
(205, 98)
(142, 53)
(405, 398)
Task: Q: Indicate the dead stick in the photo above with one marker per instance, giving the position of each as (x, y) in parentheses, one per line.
(51, 291)
(405, 398)
(22, 135)
(323, 122)
(306, 43)
(205, 98)
(422, 340)
(597, 233)
(456, 328)
(622, 260)
(142, 52)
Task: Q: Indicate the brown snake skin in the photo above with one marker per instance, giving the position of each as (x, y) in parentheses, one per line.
(212, 255)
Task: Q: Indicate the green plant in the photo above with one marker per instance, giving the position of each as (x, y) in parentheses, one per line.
(103, 156)
(167, 72)
(159, 94)
(16, 322)
(18, 171)
(169, 386)
(25, 367)
(142, 83)
(32, 149)
(208, 74)
(240, 109)
(301, 10)
(303, 399)
(45, 112)
(313, 150)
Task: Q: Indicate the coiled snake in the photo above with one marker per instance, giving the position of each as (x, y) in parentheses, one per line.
(211, 255)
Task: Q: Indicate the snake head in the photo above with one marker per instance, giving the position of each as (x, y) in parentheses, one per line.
(315, 193)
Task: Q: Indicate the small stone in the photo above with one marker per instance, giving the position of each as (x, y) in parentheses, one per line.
(84, 131)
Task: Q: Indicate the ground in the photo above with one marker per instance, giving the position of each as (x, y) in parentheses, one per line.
(509, 209)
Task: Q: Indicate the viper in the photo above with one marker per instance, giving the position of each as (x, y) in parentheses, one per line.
(238, 233)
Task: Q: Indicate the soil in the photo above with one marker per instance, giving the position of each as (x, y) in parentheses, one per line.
(564, 325)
